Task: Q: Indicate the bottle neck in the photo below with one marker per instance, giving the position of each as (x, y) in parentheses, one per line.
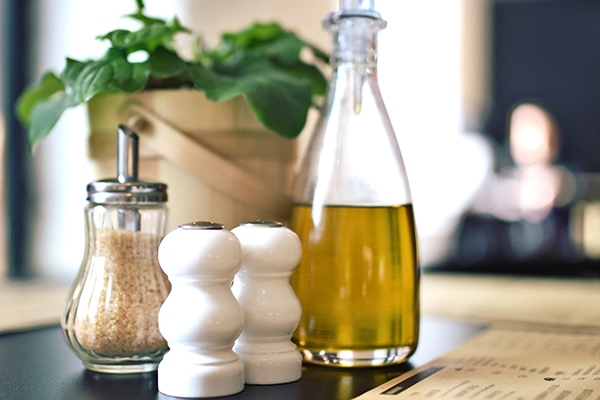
(353, 58)
(354, 40)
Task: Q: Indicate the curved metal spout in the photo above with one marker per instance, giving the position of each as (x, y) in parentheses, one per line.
(127, 155)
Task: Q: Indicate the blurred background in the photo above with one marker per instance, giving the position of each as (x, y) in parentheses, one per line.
(496, 105)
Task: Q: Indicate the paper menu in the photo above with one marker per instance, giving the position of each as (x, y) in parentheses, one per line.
(506, 365)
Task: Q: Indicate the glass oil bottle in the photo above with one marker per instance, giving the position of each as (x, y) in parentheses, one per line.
(358, 277)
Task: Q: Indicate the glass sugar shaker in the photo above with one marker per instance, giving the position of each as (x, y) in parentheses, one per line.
(358, 278)
(111, 317)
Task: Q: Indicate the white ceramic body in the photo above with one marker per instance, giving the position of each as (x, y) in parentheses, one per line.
(271, 309)
(200, 319)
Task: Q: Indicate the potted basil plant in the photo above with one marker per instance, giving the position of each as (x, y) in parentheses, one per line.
(261, 63)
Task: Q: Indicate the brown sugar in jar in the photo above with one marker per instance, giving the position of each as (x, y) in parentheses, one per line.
(122, 310)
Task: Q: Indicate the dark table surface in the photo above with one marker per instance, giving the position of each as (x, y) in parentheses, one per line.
(37, 365)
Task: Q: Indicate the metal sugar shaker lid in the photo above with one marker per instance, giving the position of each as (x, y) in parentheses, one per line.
(125, 188)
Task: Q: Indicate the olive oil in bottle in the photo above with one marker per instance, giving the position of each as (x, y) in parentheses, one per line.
(357, 279)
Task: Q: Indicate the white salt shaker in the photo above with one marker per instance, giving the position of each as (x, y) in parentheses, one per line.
(200, 319)
(270, 253)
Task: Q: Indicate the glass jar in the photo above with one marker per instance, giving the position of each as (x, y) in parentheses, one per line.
(111, 316)
(358, 277)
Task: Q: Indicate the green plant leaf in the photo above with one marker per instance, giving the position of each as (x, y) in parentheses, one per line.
(254, 39)
(262, 64)
(45, 114)
(144, 19)
(166, 64)
(140, 16)
(148, 38)
(279, 101)
(167, 70)
(252, 36)
(49, 84)
(269, 41)
(285, 53)
(311, 73)
(84, 80)
(284, 108)
(216, 87)
(285, 49)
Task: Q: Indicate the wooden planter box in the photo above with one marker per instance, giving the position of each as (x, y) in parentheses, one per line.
(219, 163)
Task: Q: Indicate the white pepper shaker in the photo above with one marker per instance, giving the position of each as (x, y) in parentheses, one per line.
(200, 319)
(270, 252)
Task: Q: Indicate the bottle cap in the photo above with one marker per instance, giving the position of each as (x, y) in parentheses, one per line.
(202, 225)
(263, 223)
